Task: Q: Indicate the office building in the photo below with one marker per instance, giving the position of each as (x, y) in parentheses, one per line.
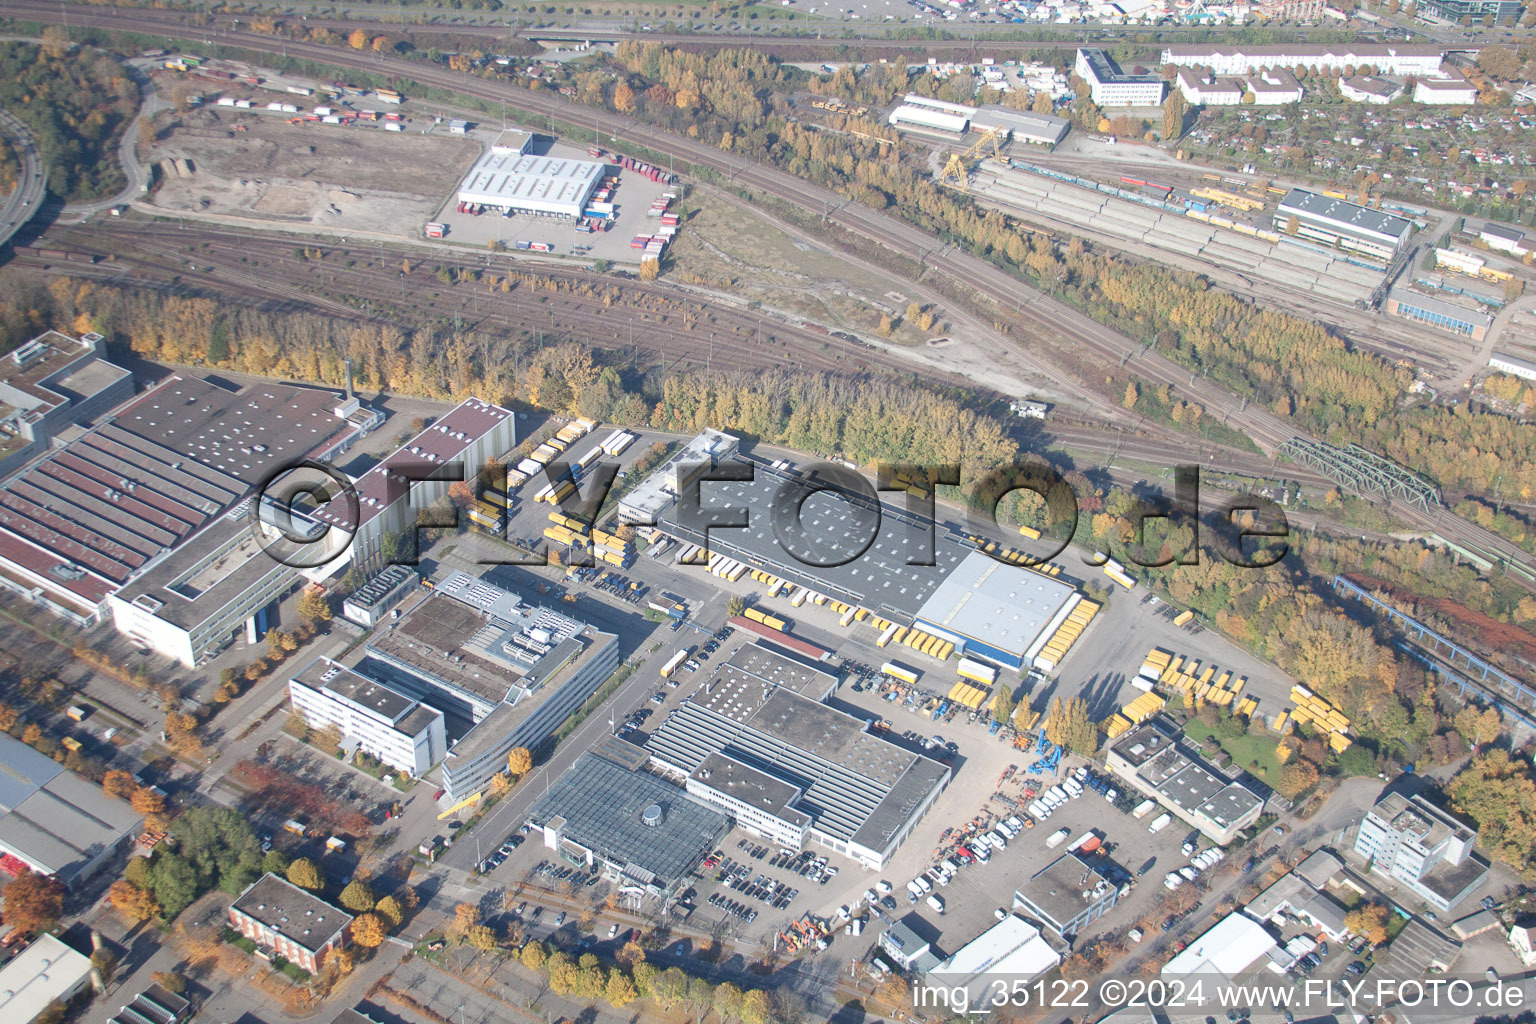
(658, 491)
(1451, 91)
(284, 920)
(906, 948)
(1371, 89)
(55, 822)
(403, 733)
(1109, 86)
(1344, 224)
(1413, 842)
(1066, 896)
(480, 654)
(1155, 761)
(46, 972)
(1458, 11)
(607, 812)
(797, 757)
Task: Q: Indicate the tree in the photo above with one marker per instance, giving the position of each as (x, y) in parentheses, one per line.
(146, 801)
(1295, 778)
(1043, 104)
(358, 40)
(275, 862)
(390, 911)
(171, 981)
(339, 962)
(367, 931)
(33, 902)
(1498, 62)
(735, 606)
(631, 954)
(1478, 726)
(727, 1000)
(132, 902)
(650, 269)
(1069, 726)
(1174, 110)
(754, 1007)
(621, 991)
(313, 606)
(104, 961)
(56, 41)
(562, 974)
(481, 937)
(465, 917)
(305, 874)
(519, 761)
(533, 955)
(1369, 922)
(623, 98)
(1292, 225)
(1002, 705)
(118, 783)
(357, 897)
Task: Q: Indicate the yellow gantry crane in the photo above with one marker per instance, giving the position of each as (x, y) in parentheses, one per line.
(956, 166)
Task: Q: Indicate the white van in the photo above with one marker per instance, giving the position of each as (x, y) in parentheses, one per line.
(936, 902)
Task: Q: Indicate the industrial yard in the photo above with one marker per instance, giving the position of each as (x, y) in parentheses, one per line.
(256, 165)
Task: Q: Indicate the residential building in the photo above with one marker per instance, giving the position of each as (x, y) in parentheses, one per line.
(1274, 87)
(1466, 320)
(1066, 895)
(1155, 761)
(284, 920)
(607, 812)
(1454, 91)
(1203, 89)
(1410, 840)
(1370, 89)
(1245, 59)
(46, 972)
(1457, 11)
(55, 822)
(1522, 939)
(369, 603)
(403, 733)
(1109, 86)
(1338, 222)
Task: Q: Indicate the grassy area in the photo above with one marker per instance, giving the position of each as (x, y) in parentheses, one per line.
(1255, 753)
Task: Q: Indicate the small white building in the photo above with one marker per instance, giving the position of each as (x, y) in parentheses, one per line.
(1371, 89)
(1202, 89)
(1501, 239)
(1504, 363)
(1452, 91)
(1233, 944)
(45, 972)
(1522, 939)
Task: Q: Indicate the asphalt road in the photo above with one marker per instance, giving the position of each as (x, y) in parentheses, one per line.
(24, 201)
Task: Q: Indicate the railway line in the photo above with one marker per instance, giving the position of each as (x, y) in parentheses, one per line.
(1263, 427)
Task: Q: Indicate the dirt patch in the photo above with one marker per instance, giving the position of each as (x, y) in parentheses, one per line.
(255, 165)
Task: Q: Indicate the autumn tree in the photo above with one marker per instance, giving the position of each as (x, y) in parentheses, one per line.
(1174, 110)
(313, 606)
(368, 931)
(1043, 103)
(623, 98)
(533, 955)
(358, 40)
(519, 761)
(1369, 922)
(132, 902)
(390, 911)
(119, 784)
(357, 897)
(1069, 726)
(465, 917)
(620, 991)
(306, 875)
(1295, 778)
(33, 902)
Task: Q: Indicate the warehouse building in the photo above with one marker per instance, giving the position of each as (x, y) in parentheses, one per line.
(55, 822)
(996, 611)
(1152, 759)
(658, 491)
(1344, 224)
(478, 653)
(1505, 363)
(284, 920)
(1451, 91)
(1441, 313)
(931, 116)
(1109, 86)
(1232, 947)
(46, 972)
(1500, 238)
(388, 496)
(1012, 948)
(1016, 125)
(507, 177)
(763, 711)
(50, 383)
(399, 730)
(1066, 896)
(1418, 59)
(607, 812)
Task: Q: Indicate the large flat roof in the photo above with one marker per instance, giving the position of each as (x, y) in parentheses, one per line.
(1057, 889)
(44, 971)
(507, 177)
(1228, 949)
(53, 818)
(54, 368)
(1341, 213)
(878, 579)
(1001, 605)
(604, 809)
(353, 687)
(1013, 946)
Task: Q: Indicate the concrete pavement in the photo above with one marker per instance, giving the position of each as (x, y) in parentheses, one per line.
(32, 183)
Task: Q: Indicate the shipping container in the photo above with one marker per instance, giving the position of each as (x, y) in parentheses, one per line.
(436, 230)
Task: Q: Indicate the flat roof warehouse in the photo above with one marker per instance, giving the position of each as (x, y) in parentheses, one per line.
(508, 179)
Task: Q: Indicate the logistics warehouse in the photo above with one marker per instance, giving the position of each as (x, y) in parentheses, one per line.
(507, 178)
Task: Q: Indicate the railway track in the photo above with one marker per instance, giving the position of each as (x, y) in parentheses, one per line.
(1264, 428)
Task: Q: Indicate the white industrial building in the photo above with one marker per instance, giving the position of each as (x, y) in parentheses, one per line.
(44, 973)
(1505, 363)
(660, 489)
(1229, 949)
(400, 731)
(1385, 58)
(1452, 91)
(505, 178)
(1012, 948)
(1108, 86)
(1018, 125)
(1342, 223)
(932, 114)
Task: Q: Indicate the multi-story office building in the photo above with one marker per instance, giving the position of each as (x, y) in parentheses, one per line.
(1410, 840)
(399, 730)
(1151, 758)
(1108, 86)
